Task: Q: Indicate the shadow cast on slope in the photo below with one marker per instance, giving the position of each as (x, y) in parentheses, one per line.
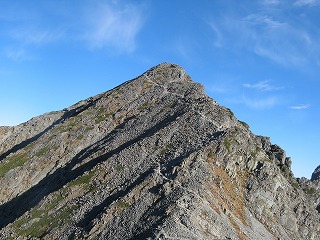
(86, 222)
(64, 117)
(16, 207)
(160, 210)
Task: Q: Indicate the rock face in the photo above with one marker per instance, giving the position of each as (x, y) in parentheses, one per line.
(316, 174)
(154, 158)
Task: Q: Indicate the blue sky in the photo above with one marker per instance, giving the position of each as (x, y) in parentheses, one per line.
(259, 58)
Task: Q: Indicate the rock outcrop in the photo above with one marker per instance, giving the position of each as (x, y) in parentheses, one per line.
(316, 174)
(154, 158)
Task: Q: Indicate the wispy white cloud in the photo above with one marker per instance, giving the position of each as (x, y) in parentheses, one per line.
(306, 3)
(268, 33)
(281, 56)
(271, 2)
(264, 35)
(300, 107)
(262, 86)
(19, 54)
(36, 36)
(218, 35)
(113, 26)
(24, 29)
(265, 21)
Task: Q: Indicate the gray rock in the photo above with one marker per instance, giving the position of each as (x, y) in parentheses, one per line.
(154, 158)
(316, 174)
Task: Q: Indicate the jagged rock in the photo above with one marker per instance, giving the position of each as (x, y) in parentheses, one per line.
(265, 142)
(279, 154)
(316, 174)
(154, 158)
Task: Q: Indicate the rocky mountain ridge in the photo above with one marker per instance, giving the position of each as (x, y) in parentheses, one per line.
(154, 158)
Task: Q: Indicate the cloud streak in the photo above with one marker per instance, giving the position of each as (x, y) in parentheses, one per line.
(271, 2)
(262, 86)
(306, 3)
(218, 35)
(19, 54)
(36, 36)
(97, 25)
(268, 33)
(112, 26)
(276, 40)
(265, 21)
(300, 107)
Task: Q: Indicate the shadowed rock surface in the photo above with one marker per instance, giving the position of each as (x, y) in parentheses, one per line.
(316, 174)
(154, 158)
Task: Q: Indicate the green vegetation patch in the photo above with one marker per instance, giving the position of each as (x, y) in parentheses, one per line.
(71, 123)
(87, 129)
(118, 91)
(143, 106)
(61, 128)
(59, 196)
(147, 84)
(84, 179)
(285, 170)
(119, 168)
(80, 137)
(41, 219)
(253, 154)
(122, 204)
(12, 162)
(295, 184)
(230, 113)
(165, 149)
(42, 222)
(227, 144)
(74, 121)
(42, 151)
(30, 146)
(210, 154)
(102, 115)
(310, 190)
(211, 157)
(244, 124)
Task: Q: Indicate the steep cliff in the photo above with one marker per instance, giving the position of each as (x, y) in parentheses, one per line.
(154, 158)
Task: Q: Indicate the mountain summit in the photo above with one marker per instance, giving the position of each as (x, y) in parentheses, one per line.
(154, 158)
